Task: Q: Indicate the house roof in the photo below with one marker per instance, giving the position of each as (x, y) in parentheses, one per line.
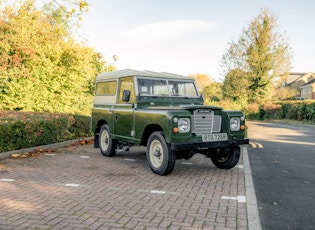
(292, 77)
(309, 83)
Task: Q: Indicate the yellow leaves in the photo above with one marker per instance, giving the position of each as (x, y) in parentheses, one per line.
(35, 152)
(83, 4)
(86, 142)
(83, 8)
(202, 80)
(39, 151)
(16, 155)
(72, 12)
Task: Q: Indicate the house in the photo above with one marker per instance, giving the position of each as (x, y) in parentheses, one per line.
(302, 82)
(308, 90)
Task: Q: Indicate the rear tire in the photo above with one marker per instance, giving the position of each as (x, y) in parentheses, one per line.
(107, 144)
(159, 155)
(226, 158)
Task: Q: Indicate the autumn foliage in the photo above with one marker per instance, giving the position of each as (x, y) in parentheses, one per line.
(42, 67)
(45, 74)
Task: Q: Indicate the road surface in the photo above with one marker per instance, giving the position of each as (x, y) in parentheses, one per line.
(282, 160)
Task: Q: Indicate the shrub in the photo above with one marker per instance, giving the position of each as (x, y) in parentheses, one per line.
(22, 130)
(293, 110)
(301, 110)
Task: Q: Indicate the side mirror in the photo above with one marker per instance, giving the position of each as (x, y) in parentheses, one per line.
(126, 95)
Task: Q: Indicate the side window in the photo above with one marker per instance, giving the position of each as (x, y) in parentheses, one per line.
(127, 83)
(106, 88)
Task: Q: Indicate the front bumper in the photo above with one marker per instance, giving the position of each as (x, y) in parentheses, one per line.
(208, 145)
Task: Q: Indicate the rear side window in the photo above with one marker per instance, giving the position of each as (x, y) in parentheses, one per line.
(106, 88)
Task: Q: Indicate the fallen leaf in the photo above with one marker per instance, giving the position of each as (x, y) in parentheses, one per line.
(15, 155)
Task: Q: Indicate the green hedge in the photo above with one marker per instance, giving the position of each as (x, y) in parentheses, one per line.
(22, 130)
(293, 110)
(275, 110)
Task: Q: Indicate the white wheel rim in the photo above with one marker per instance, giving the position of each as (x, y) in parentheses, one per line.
(156, 147)
(104, 140)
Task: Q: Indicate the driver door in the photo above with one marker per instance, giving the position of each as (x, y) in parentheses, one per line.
(123, 114)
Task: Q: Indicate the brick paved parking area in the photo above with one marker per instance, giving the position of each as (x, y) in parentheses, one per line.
(75, 187)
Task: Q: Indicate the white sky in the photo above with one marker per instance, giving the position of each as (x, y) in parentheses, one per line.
(187, 36)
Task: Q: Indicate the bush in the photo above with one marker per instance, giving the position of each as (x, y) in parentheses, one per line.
(251, 111)
(270, 111)
(22, 130)
(293, 110)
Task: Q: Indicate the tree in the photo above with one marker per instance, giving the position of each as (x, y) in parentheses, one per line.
(286, 93)
(261, 53)
(70, 8)
(213, 92)
(42, 68)
(235, 86)
(202, 80)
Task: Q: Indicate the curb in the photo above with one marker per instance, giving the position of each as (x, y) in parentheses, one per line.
(252, 206)
(49, 146)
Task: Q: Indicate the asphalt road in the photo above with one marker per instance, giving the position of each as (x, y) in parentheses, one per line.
(282, 160)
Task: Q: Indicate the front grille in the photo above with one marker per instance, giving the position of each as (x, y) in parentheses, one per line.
(205, 122)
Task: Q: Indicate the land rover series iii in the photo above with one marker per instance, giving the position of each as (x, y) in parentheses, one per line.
(165, 113)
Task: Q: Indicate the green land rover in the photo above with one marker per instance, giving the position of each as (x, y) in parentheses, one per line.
(165, 113)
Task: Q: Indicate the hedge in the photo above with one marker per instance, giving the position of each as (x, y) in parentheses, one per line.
(23, 130)
(274, 110)
(292, 110)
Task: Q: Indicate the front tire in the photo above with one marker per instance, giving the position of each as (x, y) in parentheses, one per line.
(226, 158)
(159, 155)
(107, 144)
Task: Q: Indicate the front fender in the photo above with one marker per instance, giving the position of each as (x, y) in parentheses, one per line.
(227, 115)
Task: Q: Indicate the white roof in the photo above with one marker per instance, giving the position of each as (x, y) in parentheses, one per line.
(144, 73)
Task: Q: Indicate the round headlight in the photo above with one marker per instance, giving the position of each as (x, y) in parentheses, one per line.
(235, 124)
(183, 125)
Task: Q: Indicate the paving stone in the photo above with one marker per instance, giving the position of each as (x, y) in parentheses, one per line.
(68, 191)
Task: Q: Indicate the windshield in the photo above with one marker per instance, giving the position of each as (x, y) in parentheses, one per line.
(163, 87)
